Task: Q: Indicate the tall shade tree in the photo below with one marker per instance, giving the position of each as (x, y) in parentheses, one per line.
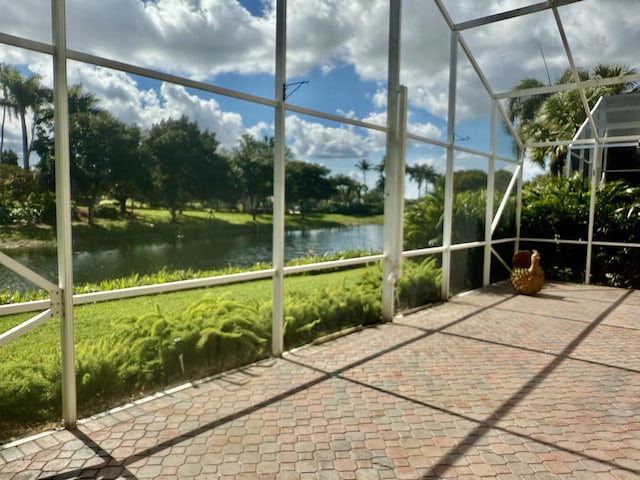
(253, 159)
(558, 116)
(94, 141)
(129, 174)
(81, 103)
(184, 164)
(105, 153)
(24, 96)
(307, 184)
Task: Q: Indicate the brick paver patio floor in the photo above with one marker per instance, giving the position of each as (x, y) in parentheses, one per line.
(488, 385)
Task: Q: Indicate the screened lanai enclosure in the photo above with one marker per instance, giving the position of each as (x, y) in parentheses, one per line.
(399, 84)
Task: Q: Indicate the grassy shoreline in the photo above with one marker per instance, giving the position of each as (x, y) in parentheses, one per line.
(147, 225)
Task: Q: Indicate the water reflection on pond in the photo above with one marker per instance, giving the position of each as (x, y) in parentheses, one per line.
(202, 253)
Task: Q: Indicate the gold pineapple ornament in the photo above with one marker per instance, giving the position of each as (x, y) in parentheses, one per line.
(527, 277)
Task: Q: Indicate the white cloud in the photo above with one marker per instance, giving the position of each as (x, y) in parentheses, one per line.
(308, 140)
(347, 114)
(327, 33)
(195, 38)
(260, 130)
(427, 130)
(380, 98)
(121, 95)
(205, 38)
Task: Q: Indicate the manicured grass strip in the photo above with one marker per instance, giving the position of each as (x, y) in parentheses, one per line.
(95, 320)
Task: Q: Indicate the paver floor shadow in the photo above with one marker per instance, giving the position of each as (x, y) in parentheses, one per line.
(489, 385)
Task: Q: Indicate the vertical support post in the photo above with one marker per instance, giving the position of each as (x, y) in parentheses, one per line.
(394, 207)
(277, 315)
(519, 200)
(448, 184)
(491, 172)
(394, 169)
(602, 176)
(596, 164)
(63, 213)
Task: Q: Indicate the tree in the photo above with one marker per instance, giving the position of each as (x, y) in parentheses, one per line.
(523, 109)
(558, 116)
(380, 169)
(104, 153)
(364, 166)
(90, 140)
(9, 157)
(183, 162)
(465, 181)
(215, 179)
(8, 76)
(95, 147)
(307, 183)
(253, 159)
(347, 189)
(24, 95)
(422, 173)
(129, 174)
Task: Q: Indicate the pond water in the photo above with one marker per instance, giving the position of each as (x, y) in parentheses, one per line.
(202, 253)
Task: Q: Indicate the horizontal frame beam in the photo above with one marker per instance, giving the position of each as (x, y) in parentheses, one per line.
(516, 12)
(562, 87)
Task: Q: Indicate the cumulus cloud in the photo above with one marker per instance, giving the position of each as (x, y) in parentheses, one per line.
(199, 39)
(427, 130)
(309, 139)
(203, 39)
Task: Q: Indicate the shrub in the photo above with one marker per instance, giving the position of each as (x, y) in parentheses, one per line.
(106, 210)
(210, 335)
(558, 208)
(333, 309)
(424, 218)
(419, 284)
(30, 392)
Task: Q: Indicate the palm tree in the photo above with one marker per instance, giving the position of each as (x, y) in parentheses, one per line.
(380, 168)
(603, 70)
(25, 94)
(8, 76)
(558, 116)
(422, 173)
(364, 166)
(523, 109)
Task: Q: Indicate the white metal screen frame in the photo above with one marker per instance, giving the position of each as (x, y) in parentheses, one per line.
(62, 299)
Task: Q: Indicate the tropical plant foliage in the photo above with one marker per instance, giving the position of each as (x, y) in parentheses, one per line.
(559, 208)
(424, 217)
(557, 116)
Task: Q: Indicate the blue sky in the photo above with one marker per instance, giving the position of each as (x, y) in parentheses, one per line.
(338, 47)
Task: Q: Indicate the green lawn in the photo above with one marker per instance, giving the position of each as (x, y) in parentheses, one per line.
(94, 320)
(153, 224)
(27, 360)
